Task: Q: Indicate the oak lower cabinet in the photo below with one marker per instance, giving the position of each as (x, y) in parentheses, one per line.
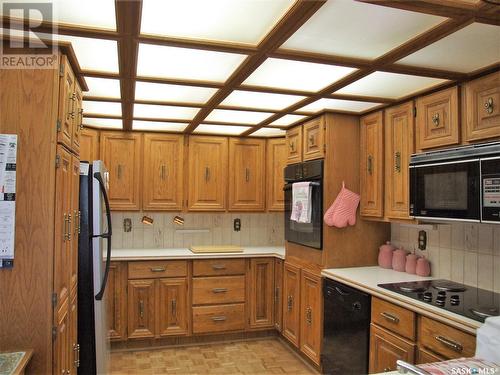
(141, 308)
(278, 294)
(311, 313)
(116, 301)
(386, 348)
(276, 156)
(173, 306)
(291, 303)
(261, 293)
(89, 144)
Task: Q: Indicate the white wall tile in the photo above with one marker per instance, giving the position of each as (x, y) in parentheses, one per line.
(496, 274)
(485, 239)
(444, 263)
(470, 269)
(485, 271)
(457, 265)
(445, 236)
(458, 236)
(471, 236)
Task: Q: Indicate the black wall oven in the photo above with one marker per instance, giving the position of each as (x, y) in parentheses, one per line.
(307, 234)
(460, 184)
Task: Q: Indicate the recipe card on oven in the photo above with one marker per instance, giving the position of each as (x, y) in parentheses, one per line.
(8, 160)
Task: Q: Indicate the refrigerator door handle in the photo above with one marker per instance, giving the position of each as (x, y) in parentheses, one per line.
(107, 235)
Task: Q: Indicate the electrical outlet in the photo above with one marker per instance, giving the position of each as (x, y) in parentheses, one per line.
(237, 225)
(422, 240)
(127, 225)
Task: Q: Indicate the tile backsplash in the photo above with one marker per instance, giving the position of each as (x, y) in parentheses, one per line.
(462, 252)
(258, 229)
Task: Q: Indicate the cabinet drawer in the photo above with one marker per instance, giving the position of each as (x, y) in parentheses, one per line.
(157, 268)
(444, 340)
(217, 267)
(394, 318)
(218, 318)
(212, 290)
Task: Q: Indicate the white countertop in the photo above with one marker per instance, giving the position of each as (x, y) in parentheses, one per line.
(185, 253)
(367, 278)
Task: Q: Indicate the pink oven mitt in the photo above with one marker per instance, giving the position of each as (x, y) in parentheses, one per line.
(343, 209)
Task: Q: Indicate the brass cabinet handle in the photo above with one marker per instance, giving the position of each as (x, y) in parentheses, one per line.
(309, 315)
(119, 171)
(141, 309)
(80, 111)
(68, 231)
(488, 106)
(219, 290)
(65, 227)
(290, 303)
(72, 96)
(435, 119)
(369, 164)
(163, 172)
(158, 269)
(219, 318)
(292, 146)
(450, 343)
(174, 308)
(218, 267)
(247, 174)
(390, 317)
(207, 174)
(76, 353)
(79, 222)
(312, 140)
(397, 161)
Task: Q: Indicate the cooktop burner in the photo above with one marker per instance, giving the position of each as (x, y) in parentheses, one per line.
(474, 303)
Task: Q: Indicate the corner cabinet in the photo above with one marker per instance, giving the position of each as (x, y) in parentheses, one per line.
(208, 166)
(261, 293)
(89, 144)
(275, 174)
(122, 155)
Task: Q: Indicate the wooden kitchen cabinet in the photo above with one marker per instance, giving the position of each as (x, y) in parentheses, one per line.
(141, 308)
(77, 117)
(74, 346)
(437, 119)
(399, 145)
(313, 139)
(89, 145)
(310, 315)
(163, 179)
(116, 301)
(74, 222)
(122, 155)
(386, 349)
(291, 303)
(278, 294)
(261, 293)
(294, 145)
(66, 110)
(247, 174)
(208, 166)
(425, 356)
(371, 165)
(276, 163)
(173, 306)
(62, 341)
(481, 108)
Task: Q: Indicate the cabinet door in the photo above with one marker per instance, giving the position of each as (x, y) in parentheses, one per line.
(437, 119)
(386, 349)
(67, 100)
(122, 155)
(173, 307)
(89, 144)
(116, 301)
(313, 139)
(162, 185)
(278, 294)
(62, 342)
(294, 145)
(207, 173)
(74, 360)
(481, 106)
(246, 174)
(75, 221)
(291, 301)
(399, 123)
(141, 308)
(276, 163)
(261, 293)
(371, 165)
(424, 356)
(310, 315)
(77, 118)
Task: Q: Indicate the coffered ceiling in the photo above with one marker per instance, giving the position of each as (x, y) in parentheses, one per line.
(256, 67)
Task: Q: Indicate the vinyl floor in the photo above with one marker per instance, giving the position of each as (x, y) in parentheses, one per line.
(262, 356)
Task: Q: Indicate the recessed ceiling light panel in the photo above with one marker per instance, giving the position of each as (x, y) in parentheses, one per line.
(105, 123)
(102, 108)
(287, 120)
(220, 129)
(103, 87)
(164, 112)
(261, 100)
(172, 93)
(237, 117)
(268, 132)
(338, 104)
(158, 126)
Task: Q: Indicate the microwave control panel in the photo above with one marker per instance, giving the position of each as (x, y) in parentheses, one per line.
(491, 192)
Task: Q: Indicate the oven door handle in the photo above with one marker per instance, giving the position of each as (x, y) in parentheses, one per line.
(289, 185)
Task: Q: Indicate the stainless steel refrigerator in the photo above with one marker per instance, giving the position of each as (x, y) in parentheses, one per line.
(94, 255)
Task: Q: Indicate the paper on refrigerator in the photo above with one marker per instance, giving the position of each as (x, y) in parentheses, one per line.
(8, 160)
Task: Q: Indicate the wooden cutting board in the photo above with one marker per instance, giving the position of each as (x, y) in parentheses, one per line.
(216, 249)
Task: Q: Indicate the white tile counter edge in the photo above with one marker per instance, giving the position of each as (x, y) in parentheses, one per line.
(185, 253)
(367, 278)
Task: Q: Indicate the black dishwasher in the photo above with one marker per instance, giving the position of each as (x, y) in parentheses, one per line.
(346, 333)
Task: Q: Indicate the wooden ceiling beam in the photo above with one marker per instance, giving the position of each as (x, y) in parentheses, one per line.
(101, 99)
(100, 115)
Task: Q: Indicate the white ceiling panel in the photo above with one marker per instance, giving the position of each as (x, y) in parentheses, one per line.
(287, 120)
(158, 126)
(474, 47)
(105, 123)
(172, 93)
(220, 129)
(102, 108)
(103, 87)
(354, 29)
(242, 21)
(389, 85)
(164, 112)
(186, 63)
(268, 132)
(338, 104)
(237, 117)
(296, 75)
(261, 100)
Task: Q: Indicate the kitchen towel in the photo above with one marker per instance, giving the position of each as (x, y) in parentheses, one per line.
(301, 202)
(488, 340)
(343, 209)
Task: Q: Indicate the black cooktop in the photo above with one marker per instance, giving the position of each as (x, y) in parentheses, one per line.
(474, 303)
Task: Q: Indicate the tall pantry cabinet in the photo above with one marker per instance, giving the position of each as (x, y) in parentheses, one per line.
(39, 293)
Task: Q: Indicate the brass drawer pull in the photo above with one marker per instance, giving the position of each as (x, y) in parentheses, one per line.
(219, 290)
(390, 317)
(174, 308)
(158, 269)
(309, 315)
(397, 161)
(221, 318)
(450, 343)
(247, 174)
(218, 267)
(488, 106)
(369, 164)
(435, 119)
(68, 221)
(141, 309)
(76, 351)
(290, 303)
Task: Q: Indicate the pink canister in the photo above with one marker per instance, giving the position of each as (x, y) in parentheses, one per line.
(385, 255)
(411, 264)
(423, 267)
(399, 260)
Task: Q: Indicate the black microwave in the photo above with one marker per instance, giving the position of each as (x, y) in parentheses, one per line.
(459, 184)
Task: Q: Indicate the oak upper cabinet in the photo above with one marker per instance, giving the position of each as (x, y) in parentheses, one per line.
(291, 302)
(276, 163)
(399, 145)
(89, 144)
(371, 165)
(163, 180)
(77, 117)
(294, 145)
(67, 98)
(310, 315)
(173, 306)
(278, 294)
(386, 349)
(246, 174)
(261, 293)
(75, 223)
(208, 165)
(116, 301)
(481, 108)
(313, 139)
(437, 119)
(141, 308)
(122, 155)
